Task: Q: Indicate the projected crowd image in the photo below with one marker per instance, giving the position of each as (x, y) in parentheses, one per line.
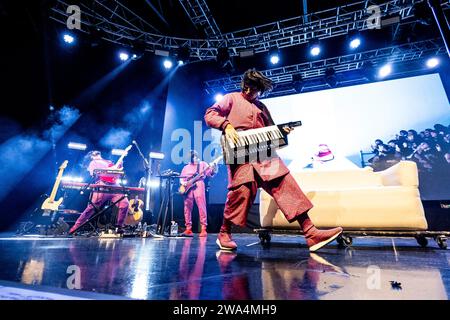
(388, 122)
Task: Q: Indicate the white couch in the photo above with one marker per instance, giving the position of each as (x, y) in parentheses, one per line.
(356, 199)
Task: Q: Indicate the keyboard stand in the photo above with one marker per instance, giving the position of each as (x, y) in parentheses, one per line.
(166, 203)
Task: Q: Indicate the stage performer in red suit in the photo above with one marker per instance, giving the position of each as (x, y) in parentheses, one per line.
(197, 193)
(98, 198)
(243, 111)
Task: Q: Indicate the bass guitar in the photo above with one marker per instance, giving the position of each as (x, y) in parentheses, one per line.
(184, 188)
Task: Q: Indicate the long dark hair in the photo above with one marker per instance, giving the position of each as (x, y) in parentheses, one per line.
(193, 154)
(256, 79)
(88, 158)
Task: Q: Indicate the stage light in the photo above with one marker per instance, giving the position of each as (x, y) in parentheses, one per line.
(354, 39)
(432, 62)
(385, 71)
(183, 55)
(122, 181)
(72, 179)
(315, 50)
(123, 56)
(77, 146)
(274, 58)
(355, 43)
(153, 184)
(156, 155)
(118, 152)
(69, 39)
(167, 63)
(246, 53)
(218, 97)
(163, 53)
(134, 56)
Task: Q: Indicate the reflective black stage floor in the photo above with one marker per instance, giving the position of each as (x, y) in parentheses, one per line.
(183, 268)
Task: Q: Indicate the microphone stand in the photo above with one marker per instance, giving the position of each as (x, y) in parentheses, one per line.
(146, 164)
(148, 173)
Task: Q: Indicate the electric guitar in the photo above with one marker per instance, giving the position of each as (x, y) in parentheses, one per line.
(50, 204)
(112, 178)
(184, 188)
(135, 213)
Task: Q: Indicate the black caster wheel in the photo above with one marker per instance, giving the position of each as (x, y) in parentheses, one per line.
(442, 242)
(265, 238)
(348, 241)
(422, 241)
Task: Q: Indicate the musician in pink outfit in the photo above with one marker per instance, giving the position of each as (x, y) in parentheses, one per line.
(243, 111)
(98, 198)
(196, 193)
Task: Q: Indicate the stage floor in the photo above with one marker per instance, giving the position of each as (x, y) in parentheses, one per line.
(194, 268)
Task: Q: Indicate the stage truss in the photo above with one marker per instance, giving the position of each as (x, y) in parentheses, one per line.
(119, 24)
(299, 77)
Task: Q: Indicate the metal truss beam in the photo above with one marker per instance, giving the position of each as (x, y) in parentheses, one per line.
(200, 16)
(122, 26)
(285, 76)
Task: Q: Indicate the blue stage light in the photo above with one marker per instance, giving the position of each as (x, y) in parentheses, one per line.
(432, 62)
(167, 63)
(315, 50)
(385, 71)
(218, 97)
(355, 43)
(274, 58)
(69, 39)
(123, 56)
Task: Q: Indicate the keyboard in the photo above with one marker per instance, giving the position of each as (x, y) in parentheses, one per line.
(102, 188)
(255, 144)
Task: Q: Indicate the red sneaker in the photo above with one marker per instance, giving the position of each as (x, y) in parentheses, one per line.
(316, 239)
(203, 233)
(225, 242)
(188, 233)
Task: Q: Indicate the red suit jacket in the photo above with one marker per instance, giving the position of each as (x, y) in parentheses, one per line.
(245, 115)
